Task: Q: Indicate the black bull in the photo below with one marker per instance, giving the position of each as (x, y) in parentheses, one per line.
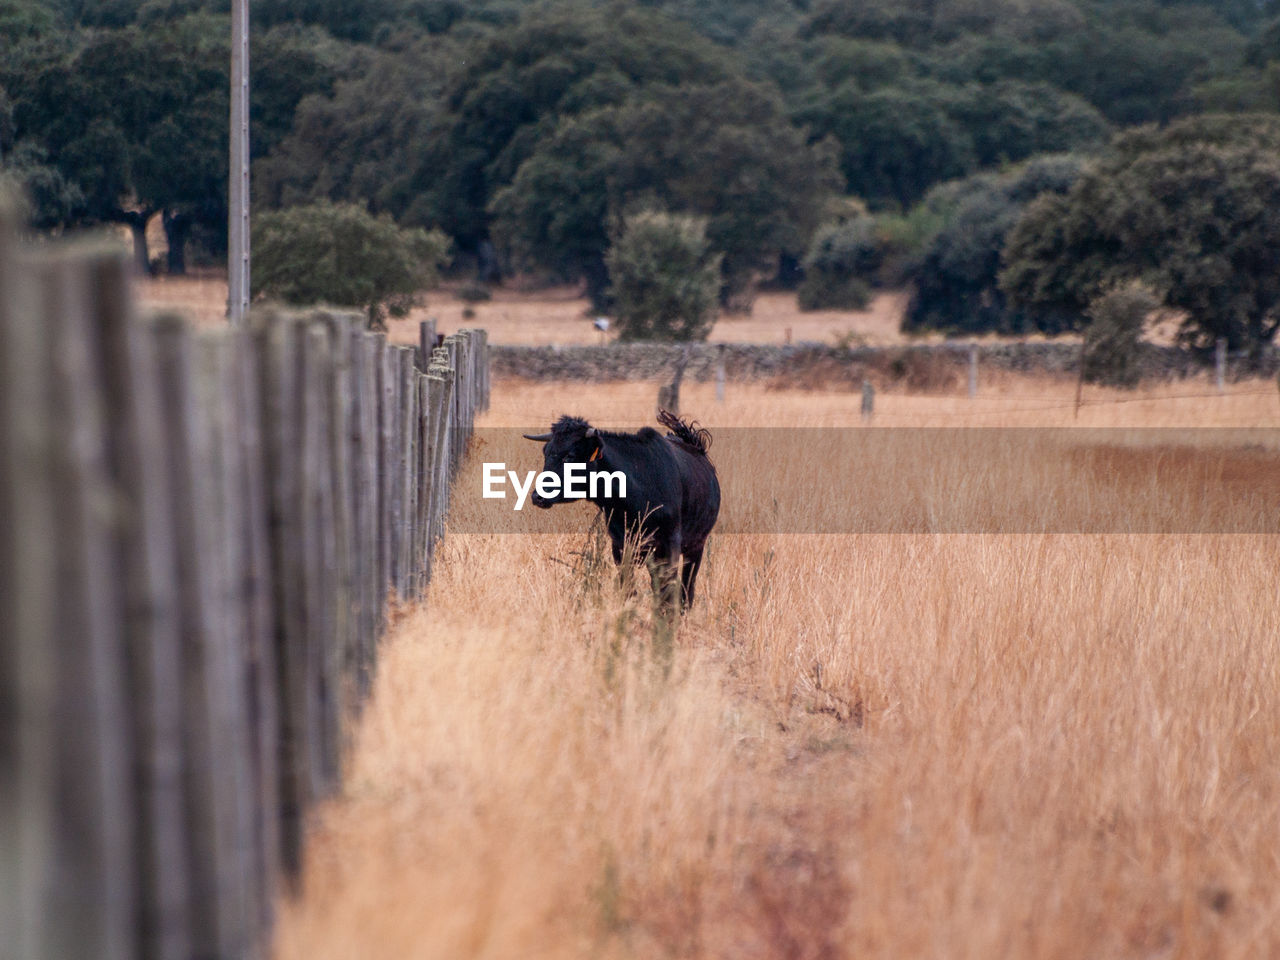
(672, 493)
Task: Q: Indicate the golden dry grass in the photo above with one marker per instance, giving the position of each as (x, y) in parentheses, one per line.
(562, 315)
(868, 746)
(558, 315)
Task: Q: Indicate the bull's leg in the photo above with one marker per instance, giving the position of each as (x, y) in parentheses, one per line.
(665, 575)
(689, 576)
(663, 570)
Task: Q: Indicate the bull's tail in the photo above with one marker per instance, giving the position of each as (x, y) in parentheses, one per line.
(686, 432)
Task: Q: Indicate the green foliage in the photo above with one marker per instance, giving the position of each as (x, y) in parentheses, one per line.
(340, 254)
(714, 145)
(1193, 210)
(840, 264)
(897, 141)
(1111, 340)
(538, 124)
(955, 282)
(27, 19)
(665, 279)
(362, 143)
(134, 117)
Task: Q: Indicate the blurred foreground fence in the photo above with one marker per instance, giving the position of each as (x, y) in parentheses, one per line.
(199, 534)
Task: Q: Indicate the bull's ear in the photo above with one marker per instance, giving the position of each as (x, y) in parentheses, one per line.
(598, 452)
(537, 438)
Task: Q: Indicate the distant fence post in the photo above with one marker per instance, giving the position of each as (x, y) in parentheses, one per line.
(868, 400)
(973, 370)
(720, 374)
(1220, 363)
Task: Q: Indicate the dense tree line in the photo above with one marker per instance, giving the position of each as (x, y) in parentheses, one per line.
(531, 131)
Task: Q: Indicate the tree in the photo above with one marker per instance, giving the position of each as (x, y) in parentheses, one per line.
(898, 140)
(657, 117)
(955, 284)
(665, 278)
(894, 142)
(133, 122)
(1192, 210)
(361, 142)
(341, 255)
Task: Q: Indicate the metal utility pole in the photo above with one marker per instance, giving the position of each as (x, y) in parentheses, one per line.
(238, 188)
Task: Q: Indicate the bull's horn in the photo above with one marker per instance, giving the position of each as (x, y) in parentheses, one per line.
(591, 431)
(540, 438)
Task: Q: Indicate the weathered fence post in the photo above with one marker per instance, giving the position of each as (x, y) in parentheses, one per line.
(145, 560)
(868, 400)
(262, 715)
(408, 423)
(365, 491)
(1220, 363)
(426, 343)
(720, 373)
(319, 556)
(213, 696)
(389, 459)
(91, 901)
(973, 370)
(278, 371)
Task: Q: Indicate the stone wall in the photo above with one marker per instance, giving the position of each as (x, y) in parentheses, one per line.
(822, 363)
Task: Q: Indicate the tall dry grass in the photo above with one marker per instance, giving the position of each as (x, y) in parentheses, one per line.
(898, 745)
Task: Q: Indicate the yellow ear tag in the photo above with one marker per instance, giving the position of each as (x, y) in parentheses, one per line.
(595, 455)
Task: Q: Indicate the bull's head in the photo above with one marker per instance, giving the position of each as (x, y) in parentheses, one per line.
(571, 440)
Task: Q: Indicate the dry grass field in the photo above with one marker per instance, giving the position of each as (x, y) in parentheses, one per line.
(560, 315)
(864, 746)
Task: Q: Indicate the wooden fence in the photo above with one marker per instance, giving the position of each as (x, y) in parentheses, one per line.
(199, 535)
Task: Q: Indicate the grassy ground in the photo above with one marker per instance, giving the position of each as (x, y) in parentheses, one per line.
(898, 745)
(561, 315)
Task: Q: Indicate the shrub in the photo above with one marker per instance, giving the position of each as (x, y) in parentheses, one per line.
(474, 293)
(665, 281)
(1110, 355)
(342, 255)
(957, 276)
(837, 268)
(821, 291)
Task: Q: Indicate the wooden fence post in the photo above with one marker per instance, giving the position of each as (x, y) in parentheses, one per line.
(720, 376)
(389, 457)
(423, 478)
(278, 369)
(407, 421)
(213, 701)
(341, 647)
(319, 556)
(229, 654)
(144, 557)
(259, 624)
(365, 490)
(91, 902)
(426, 343)
(435, 455)
(973, 370)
